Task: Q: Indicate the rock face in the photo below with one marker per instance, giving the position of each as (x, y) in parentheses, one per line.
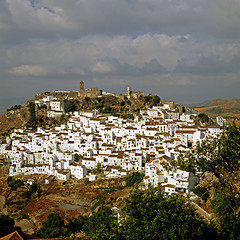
(26, 225)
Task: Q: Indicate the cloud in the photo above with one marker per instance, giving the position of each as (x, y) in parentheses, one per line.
(28, 70)
(111, 66)
(208, 65)
(103, 67)
(153, 45)
(74, 19)
(153, 67)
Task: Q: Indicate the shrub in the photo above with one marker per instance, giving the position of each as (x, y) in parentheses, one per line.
(201, 192)
(134, 178)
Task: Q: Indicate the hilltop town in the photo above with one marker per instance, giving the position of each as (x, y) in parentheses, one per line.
(89, 140)
(76, 145)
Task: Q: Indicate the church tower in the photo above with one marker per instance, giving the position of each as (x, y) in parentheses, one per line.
(81, 86)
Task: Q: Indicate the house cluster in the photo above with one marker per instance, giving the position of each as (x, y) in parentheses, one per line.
(55, 106)
(115, 144)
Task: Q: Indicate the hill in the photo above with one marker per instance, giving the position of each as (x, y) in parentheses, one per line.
(124, 106)
(230, 109)
(69, 198)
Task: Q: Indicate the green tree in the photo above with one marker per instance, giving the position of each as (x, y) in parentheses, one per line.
(15, 107)
(32, 120)
(14, 184)
(6, 224)
(75, 224)
(226, 207)
(134, 178)
(156, 99)
(151, 214)
(34, 188)
(108, 108)
(98, 168)
(52, 227)
(201, 192)
(122, 103)
(221, 157)
(76, 157)
(101, 225)
(69, 106)
(203, 117)
(62, 118)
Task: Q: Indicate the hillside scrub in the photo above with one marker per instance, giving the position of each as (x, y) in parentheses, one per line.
(14, 184)
(221, 157)
(148, 214)
(134, 178)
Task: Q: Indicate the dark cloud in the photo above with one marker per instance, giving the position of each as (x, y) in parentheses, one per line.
(111, 66)
(74, 19)
(178, 48)
(208, 65)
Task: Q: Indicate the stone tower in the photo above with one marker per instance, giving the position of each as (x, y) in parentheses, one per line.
(81, 86)
(128, 93)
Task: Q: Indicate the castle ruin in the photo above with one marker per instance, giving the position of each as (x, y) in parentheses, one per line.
(134, 94)
(90, 92)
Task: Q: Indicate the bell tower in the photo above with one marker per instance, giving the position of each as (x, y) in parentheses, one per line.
(81, 86)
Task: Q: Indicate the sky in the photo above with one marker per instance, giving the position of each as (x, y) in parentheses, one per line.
(187, 51)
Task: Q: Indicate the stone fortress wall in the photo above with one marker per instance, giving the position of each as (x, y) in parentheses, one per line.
(90, 92)
(134, 94)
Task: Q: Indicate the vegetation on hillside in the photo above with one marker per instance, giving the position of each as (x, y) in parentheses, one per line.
(230, 109)
(69, 106)
(148, 214)
(53, 227)
(14, 184)
(7, 224)
(221, 157)
(15, 107)
(151, 214)
(134, 179)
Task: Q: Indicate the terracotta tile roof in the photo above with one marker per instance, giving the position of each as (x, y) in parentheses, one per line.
(12, 236)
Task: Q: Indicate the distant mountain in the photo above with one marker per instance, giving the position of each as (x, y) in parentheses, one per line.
(193, 105)
(223, 103)
(229, 109)
(216, 102)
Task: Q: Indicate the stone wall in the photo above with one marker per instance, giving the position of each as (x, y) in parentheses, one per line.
(90, 92)
(134, 94)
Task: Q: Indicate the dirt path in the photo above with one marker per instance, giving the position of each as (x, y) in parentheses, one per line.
(202, 212)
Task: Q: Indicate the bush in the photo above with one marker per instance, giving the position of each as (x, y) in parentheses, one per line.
(101, 225)
(134, 178)
(151, 214)
(201, 192)
(14, 184)
(33, 120)
(52, 227)
(122, 103)
(34, 188)
(15, 107)
(86, 181)
(69, 106)
(6, 222)
(75, 224)
(203, 117)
